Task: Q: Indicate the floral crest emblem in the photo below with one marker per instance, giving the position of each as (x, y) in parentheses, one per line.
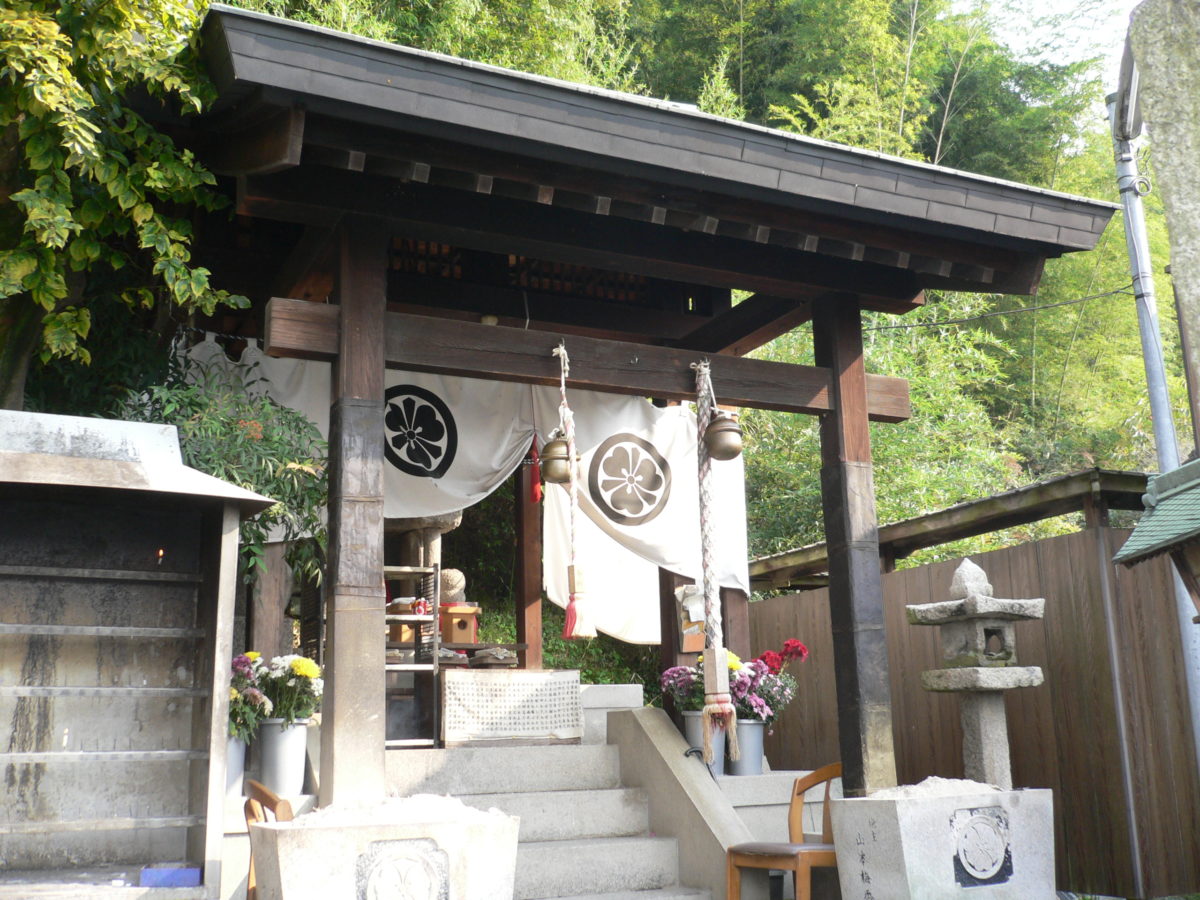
(421, 436)
(629, 479)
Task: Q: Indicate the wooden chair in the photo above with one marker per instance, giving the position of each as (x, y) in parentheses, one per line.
(796, 857)
(262, 805)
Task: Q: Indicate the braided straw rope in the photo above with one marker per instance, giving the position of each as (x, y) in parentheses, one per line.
(577, 624)
(719, 711)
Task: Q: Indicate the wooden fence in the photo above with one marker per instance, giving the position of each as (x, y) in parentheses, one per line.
(1126, 789)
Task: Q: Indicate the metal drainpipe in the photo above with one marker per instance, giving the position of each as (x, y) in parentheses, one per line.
(1133, 186)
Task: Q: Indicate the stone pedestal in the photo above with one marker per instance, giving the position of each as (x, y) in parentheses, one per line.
(411, 849)
(944, 839)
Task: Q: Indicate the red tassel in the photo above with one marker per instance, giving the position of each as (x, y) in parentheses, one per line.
(569, 625)
(535, 485)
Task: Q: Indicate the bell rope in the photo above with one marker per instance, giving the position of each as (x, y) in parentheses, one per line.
(719, 711)
(577, 624)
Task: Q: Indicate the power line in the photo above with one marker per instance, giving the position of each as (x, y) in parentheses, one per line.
(1003, 312)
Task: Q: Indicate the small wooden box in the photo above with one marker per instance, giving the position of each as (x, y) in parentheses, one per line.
(460, 624)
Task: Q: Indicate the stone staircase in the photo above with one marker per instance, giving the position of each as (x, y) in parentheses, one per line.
(583, 836)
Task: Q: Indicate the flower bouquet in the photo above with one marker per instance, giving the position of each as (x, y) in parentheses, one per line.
(248, 705)
(760, 688)
(293, 686)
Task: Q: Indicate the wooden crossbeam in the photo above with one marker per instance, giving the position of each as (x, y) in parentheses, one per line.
(273, 140)
(296, 328)
(748, 325)
(502, 225)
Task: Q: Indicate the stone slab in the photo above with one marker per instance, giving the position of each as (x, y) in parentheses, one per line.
(945, 841)
(974, 606)
(981, 678)
(351, 852)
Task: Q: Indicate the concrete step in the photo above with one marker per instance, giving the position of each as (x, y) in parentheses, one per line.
(501, 770)
(571, 815)
(668, 893)
(572, 868)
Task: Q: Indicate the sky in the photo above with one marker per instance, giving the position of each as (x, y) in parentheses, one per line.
(1086, 28)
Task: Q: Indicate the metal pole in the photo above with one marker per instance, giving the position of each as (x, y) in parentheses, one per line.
(1133, 186)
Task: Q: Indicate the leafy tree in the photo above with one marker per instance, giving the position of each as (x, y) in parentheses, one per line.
(717, 95)
(949, 451)
(229, 428)
(93, 199)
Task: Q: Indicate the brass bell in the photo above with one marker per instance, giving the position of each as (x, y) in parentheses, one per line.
(555, 459)
(723, 436)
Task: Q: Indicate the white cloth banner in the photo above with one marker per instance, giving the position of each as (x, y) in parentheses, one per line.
(452, 441)
(640, 509)
(449, 441)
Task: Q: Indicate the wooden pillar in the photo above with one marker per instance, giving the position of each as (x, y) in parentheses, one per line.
(735, 620)
(352, 733)
(527, 588)
(852, 535)
(269, 630)
(670, 652)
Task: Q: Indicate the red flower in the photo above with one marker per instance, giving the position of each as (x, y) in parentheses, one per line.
(793, 649)
(772, 660)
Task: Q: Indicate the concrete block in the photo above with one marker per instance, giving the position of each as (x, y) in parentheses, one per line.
(598, 700)
(428, 843)
(942, 840)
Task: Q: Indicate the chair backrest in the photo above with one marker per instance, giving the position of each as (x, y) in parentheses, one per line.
(804, 784)
(262, 805)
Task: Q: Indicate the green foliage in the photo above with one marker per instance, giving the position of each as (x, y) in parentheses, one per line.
(244, 437)
(575, 40)
(717, 95)
(86, 184)
(949, 451)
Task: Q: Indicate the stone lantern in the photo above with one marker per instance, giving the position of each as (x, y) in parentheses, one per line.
(979, 661)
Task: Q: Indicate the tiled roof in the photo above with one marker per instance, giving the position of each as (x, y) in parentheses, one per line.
(1172, 515)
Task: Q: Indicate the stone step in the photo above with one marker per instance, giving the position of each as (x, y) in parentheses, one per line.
(502, 770)
(571, 868)
(667, 893)
(571, 815)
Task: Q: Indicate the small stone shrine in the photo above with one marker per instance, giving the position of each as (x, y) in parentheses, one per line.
(979, 662)
(975, 838)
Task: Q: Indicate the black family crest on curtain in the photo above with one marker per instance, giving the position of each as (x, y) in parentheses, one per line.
(421, 435)
(629, 480)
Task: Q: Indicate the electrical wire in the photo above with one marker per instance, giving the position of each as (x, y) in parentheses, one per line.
(1128, 289)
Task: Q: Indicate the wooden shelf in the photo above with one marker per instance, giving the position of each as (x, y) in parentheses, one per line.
(108, 631)
(23, 690)
(409, 617)
(408, 667)
(119, 824)
(485, 646)
(404, 571)
(91, 756)
(409, 742)
(98, 574)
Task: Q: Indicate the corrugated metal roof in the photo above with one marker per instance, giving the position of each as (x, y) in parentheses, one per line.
(1172, 515)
